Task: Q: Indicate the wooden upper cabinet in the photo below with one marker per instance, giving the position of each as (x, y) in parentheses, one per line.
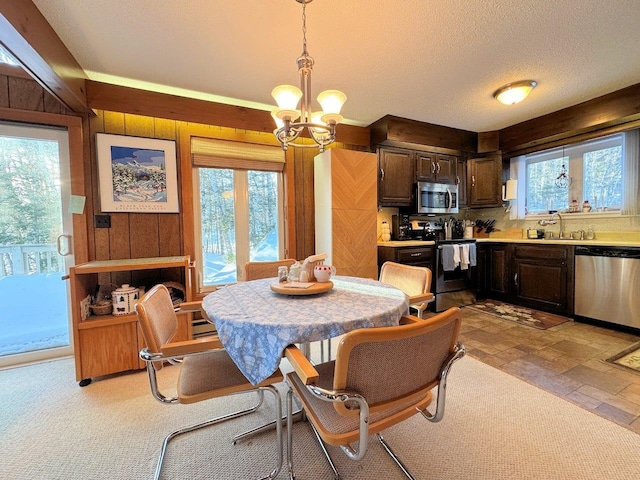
(432, 167)
(396, 173)
(461, 181)
(483, 182)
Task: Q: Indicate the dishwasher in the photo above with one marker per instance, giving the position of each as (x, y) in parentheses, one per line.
(607, 284)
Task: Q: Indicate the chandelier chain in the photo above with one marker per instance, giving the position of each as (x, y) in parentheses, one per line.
(304, 29)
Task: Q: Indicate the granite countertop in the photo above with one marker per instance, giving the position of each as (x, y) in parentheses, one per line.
(407, 243)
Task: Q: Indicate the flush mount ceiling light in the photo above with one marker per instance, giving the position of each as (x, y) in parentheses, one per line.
(290, 122)
(515, 92)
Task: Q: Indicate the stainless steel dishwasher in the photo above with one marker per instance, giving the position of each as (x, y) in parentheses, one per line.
(608, 284)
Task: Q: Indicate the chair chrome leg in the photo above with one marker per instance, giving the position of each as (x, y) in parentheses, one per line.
(297, 416)
(289, 434)
(224, 418)
(336, 475)
(394, 457)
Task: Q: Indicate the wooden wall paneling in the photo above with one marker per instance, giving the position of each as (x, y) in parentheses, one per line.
(114, 122)
(170, 237)
(291, 239)
(52, 104)
(144, 231)
(139, 126)
(4, 91)
(25, 94)
(100, 235)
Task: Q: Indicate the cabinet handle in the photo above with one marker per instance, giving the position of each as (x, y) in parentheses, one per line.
(457, 180)
(416, 254)
(433, 167)
(382, 174)
(473, 180)
(515, 279)
(437, 167)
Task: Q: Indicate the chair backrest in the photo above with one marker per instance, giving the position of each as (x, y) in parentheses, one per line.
(257, 270)
(389, 365)
(410, 279)
(157, 318)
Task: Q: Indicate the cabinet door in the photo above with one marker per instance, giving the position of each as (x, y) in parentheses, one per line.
(483, 177)
(446, 166)
(461, 181)
(542, 277)
(397, 172)
(426, 167)
(497, 264)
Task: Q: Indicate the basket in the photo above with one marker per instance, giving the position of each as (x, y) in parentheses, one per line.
(102, 308)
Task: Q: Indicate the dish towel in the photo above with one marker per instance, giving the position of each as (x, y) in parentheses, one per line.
(472, 254)
(464, 256)
(448, 262)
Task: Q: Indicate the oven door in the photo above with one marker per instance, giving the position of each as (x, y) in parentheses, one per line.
(453, 288)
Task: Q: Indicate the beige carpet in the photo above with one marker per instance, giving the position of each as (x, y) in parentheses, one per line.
(496, 427)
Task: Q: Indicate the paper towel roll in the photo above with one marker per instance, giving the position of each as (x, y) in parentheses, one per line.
(510, 190)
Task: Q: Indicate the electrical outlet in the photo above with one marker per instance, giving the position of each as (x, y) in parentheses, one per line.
(102, 221)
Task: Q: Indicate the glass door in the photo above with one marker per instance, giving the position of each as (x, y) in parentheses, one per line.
(35, 243)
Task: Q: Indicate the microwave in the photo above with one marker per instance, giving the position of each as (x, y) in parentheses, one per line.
(437, 198)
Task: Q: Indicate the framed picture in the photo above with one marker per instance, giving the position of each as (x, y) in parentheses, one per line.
(137, 174)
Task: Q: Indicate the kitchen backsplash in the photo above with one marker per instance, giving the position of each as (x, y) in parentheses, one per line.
(605, 226)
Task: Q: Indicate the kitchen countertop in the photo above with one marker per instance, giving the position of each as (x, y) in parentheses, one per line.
(555, 241)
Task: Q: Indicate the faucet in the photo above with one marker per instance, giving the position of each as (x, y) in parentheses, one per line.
(551, 221)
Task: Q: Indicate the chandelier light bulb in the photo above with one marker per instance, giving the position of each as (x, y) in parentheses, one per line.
(332, 101)
(287, 96)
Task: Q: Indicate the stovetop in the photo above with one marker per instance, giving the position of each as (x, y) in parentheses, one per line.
(456, 240)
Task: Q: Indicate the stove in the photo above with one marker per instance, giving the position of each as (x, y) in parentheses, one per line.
(454, 287)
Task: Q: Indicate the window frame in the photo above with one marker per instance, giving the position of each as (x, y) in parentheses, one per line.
(575, 164)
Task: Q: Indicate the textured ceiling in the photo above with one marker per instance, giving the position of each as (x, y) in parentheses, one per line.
(435, 61)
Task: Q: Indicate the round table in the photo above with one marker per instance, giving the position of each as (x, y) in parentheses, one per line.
(255, 324)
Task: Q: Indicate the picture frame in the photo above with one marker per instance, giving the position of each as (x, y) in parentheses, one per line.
(137, 174)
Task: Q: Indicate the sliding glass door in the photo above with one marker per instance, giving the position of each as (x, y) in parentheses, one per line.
(35, 243)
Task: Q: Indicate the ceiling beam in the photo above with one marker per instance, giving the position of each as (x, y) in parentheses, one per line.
(27, 35)
(105, 96)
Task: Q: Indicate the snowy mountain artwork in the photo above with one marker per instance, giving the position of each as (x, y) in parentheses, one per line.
(137, 174)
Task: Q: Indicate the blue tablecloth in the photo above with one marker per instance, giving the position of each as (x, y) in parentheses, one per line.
(255, 324)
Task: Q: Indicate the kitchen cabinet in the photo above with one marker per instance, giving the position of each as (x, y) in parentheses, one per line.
(397, 169)
(493, 271)
(107, 344)
(432, 167)
(484, 182)
(533, 276)
(461, 181)
(543, 277)
(421, 256)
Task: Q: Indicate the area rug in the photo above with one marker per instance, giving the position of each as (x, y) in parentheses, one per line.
(520, 315)
(628, 358)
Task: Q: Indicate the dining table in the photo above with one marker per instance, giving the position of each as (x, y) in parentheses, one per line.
(255, 323)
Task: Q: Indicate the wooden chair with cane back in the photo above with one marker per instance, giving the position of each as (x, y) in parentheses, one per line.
(257, 270)
(206, 370)
(380, 377)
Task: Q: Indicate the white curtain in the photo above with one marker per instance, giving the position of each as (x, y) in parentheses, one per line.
(631, 169)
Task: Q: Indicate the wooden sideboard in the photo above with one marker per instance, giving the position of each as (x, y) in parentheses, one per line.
(107, 344)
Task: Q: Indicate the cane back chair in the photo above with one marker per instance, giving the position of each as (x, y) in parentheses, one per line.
(206, 370)
(412, 280)
(381, 376)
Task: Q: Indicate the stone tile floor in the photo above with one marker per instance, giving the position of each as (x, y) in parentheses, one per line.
(567, 360)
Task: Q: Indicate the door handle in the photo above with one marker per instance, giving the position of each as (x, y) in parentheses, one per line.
(473, 180)
(382, 174)
(67, 251)
(515, 279)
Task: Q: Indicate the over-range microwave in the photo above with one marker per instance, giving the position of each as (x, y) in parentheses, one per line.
(437, 198)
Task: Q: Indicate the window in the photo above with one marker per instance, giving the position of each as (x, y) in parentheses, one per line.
(591, 171)
(238, 205)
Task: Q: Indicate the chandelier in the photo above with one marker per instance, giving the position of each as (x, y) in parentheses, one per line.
(291, 122)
